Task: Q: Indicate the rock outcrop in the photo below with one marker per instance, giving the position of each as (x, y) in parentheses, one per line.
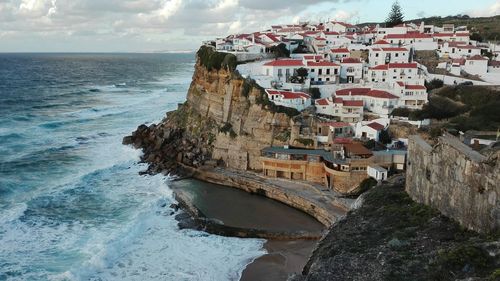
(226, 120)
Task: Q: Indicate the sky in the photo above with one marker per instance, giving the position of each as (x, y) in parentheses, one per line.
(181, 25)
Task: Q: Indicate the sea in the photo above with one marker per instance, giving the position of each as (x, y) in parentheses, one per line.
(72, 203)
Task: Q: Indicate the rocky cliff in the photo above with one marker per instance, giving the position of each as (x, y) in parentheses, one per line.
(391, 237)
(226, 120)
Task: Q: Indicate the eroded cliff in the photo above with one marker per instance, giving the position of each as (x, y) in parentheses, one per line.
(226, 120)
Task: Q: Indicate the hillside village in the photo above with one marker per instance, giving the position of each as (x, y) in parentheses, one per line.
(349, 80)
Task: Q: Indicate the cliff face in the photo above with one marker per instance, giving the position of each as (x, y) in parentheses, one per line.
(225, 120)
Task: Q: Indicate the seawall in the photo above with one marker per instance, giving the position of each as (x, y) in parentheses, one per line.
(458, 181)
(327, 210)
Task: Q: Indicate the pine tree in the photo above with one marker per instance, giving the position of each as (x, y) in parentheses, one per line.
(395, 16)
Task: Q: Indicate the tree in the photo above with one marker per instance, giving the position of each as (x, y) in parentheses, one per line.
(384, 137)
(280, 51)
(395, 16)
(302, 73)
(476, 37)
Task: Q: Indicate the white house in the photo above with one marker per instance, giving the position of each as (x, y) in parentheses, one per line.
(377, 101)
(339, 53)
(323, 71)
(385, 31)
(378, 56)
(406, 72)
(382, 44)
(418, 41)
(351, 70)
(476, 65)
(410, 95)
(494, 66)
(334, 38)
(340, 27)
(297, 100)
(394, 72)
(283, 69)
(368, 130)
(376, 172)
(456, 50)
(345, 110)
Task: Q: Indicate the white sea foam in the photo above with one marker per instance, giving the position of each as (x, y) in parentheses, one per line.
(51, 235)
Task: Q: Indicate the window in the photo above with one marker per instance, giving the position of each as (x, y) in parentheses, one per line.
(320, 71)
(397, 55)
(327, 79)
(267, 72)
(328, 71)
(335, 71)
(376, 55)
(280, 72)
(312, 69)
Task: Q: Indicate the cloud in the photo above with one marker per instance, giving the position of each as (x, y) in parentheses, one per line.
(154, 20)
(493, 10)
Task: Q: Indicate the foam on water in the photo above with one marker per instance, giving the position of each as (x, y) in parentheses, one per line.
(72, 203)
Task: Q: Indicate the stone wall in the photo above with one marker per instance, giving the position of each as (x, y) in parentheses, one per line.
(459, 182)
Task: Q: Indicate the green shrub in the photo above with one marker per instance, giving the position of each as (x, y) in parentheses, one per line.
(401, 111)
(247, 88)
(211, 59)
(228, 129)
(434, 84)
(315, 93)
(439, 108)
(306, 142)
(456, 259)
(366, 184)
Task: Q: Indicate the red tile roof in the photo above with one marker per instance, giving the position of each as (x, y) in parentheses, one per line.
(394, 49)
(288, 94)
(376, 126)
(285, 62)
(351, 60)
(353, 91)
(322, 102)
(313, 57)
(477, 57)
(442, 35)
(403, 65)
(381, 42)
(415, 87)
(321, 63)
(342, 140)
(340, 50)
(407, 36)
(380, 67)
(336, 124)
(344, 24)
(381, 94)
(401, 83)
(353, 103)
(331, 33)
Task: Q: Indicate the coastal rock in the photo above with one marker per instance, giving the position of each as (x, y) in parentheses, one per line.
(221, 122)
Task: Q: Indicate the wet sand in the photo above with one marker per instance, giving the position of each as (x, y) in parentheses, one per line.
(283, 259)
(238, 208)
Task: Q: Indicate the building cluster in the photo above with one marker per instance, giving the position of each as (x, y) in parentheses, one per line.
(358, 72)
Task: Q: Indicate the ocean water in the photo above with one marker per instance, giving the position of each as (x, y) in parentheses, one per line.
(72, 204)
